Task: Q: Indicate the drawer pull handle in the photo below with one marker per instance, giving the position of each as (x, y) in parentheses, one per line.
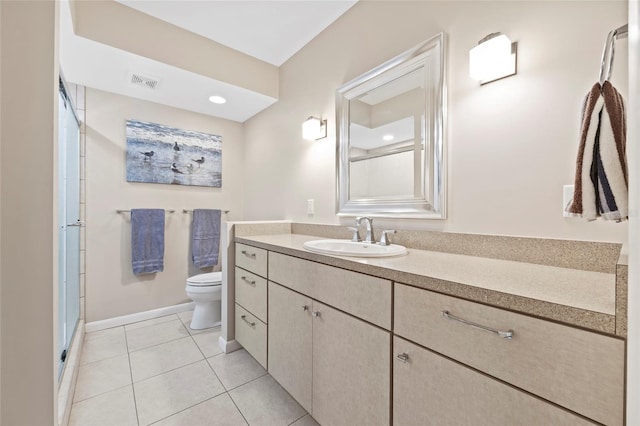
(403, 357)
(246, 253)
(305, 307)
(504, 334)
(315, 314)
(248, 281)
(244, 318)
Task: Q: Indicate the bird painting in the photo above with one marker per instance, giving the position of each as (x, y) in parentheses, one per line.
(175, 169)
(147, 155)
(168, 155)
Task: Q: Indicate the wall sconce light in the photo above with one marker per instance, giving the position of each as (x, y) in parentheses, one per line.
(493, 58)
(314, 128)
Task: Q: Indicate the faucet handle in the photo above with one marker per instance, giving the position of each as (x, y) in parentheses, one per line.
(356, 235)
(384, 238)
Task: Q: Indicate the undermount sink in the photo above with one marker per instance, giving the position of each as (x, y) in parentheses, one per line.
(352, 248)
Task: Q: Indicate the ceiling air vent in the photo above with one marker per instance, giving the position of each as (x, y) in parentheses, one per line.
(144, 81)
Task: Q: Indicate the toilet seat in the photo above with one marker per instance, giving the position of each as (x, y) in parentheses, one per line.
(210, 279)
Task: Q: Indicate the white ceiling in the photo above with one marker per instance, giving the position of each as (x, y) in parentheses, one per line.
(269, 30)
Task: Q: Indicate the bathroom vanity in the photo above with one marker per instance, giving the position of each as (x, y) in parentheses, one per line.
(431, 337)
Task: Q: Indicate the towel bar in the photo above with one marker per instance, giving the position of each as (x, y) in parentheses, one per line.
(191, 210)
(129, 211)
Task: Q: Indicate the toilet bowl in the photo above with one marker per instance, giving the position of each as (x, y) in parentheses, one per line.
(206, 291)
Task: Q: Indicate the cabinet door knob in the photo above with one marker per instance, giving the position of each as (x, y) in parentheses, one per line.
(403, 357)
(316, 314)
(305, 307)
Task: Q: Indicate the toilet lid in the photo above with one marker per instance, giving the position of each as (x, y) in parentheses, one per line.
(211, 278)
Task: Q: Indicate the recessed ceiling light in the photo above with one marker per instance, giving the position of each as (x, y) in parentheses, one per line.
(217, 99)
(387, 138)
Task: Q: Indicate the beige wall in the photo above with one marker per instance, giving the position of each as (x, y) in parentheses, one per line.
(111, 288)
(511, 144)
(28, 266)
(156, 39)
(633, 320)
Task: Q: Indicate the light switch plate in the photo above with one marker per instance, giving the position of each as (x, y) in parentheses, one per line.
(310, 206)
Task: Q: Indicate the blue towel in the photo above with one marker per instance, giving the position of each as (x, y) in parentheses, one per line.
(206, 237)
(147, 240)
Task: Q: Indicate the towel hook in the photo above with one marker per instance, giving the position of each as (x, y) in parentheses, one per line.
(608, 52)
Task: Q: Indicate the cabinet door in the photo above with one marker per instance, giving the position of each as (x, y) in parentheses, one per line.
(429, 389)
(351, 374)
(290, 342)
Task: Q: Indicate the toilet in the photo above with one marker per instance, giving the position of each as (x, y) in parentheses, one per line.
(206, 291)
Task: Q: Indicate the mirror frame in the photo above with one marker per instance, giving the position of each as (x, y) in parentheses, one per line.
(432, 205)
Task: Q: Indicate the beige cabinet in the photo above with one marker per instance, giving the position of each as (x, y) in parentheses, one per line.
(251, 301)
(251, 293)
(429, 389)
(360, 295)
(351, 375)
(336, 366)
(251, 333)
(328, 342)
(577, 369)
(290, 342)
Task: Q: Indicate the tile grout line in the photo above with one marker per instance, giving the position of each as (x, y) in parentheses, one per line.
(238, 408)
(168, 371)
(187, 408)
(145, 326)
(305, 413)
(158, 344)
(103, 359)
(214, 373)
(133, 389)
(228, 391)
(250, 381)
(100, 394)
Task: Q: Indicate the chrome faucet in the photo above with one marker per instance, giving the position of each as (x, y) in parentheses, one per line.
(370, 237)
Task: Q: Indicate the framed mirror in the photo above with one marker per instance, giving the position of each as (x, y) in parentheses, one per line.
(390, 137)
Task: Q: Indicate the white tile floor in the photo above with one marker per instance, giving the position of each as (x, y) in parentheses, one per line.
(163, 373)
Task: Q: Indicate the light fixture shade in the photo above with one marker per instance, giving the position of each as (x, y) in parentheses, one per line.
(493, 58)
(314, 128)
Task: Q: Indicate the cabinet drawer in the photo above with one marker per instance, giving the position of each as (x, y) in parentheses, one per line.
(251, 293)
(251, 333)
(429, 389)
(360, 295)
(577, 369)
(252, 259)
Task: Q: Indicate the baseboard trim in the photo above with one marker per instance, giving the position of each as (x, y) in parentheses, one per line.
(228, 346)
(137, 317)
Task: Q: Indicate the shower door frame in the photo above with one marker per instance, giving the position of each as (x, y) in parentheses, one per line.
(68, 224)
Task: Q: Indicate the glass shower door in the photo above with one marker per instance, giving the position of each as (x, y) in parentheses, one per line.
(69, 225)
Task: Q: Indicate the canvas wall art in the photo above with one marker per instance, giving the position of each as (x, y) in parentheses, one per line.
(161, 154)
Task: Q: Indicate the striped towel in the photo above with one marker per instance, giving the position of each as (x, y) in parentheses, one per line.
(601, 182)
